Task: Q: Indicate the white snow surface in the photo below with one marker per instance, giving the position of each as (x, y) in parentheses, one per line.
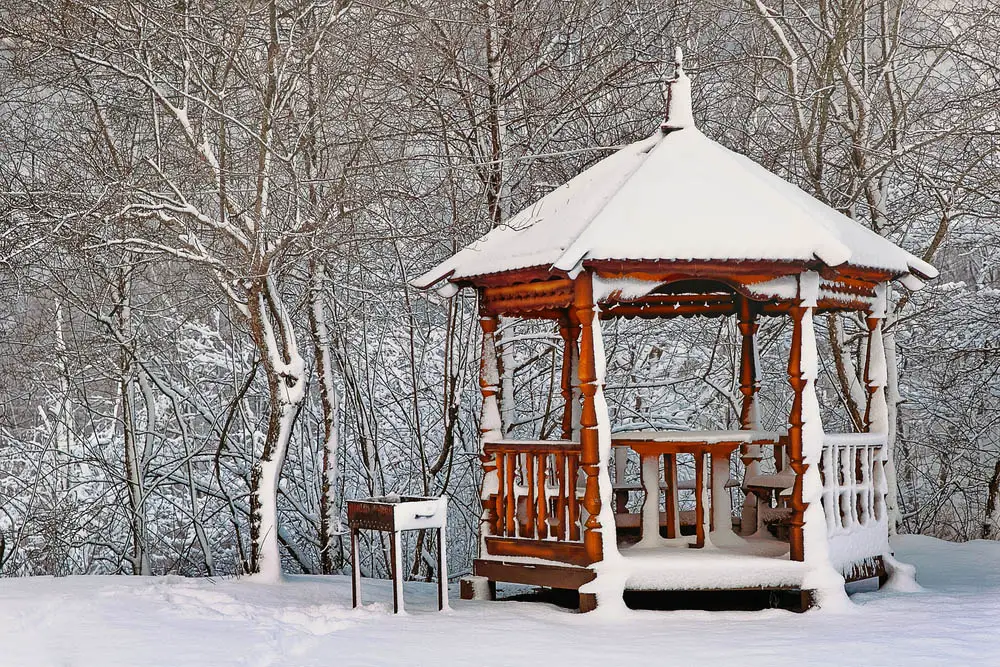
(697, 436)
(307, 621)
(675, 196)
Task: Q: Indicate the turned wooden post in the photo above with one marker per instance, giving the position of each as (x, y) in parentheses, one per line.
(566, 506)
(494, 500)
(569, 330)
(749, 366)
(750, 455)
(585, 313)
(795, 422)
(805, 427)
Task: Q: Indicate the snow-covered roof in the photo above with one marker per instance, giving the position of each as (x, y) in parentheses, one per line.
(677, 196)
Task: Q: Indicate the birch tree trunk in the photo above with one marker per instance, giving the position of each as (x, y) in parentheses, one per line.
(329, 509)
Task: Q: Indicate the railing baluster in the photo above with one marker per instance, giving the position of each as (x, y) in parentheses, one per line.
(859, 491)
(844, 491)
(542, 512)
(574, 508)
(867, 487)
(828, 474)
(878, 484)
(561, 498)
(511, 495)
(500, 528)
(529, 502)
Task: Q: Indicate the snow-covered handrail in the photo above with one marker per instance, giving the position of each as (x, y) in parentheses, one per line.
(854, 487)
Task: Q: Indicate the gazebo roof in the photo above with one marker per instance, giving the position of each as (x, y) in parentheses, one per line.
(677, 196)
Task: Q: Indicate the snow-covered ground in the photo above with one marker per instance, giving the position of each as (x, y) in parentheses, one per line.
(172, 621)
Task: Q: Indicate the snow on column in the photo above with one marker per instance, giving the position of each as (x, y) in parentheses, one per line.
(651, 502)
(877, 409)
(595, 433)
(593, 459)
(490, 425)
(821, 576)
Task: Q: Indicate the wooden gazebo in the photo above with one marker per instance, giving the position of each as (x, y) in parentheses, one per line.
(677, 225)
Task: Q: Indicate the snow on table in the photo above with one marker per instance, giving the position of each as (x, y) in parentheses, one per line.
(710, 437)
(837, 439)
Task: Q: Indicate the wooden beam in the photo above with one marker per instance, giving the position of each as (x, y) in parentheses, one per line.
(680, 269)
(551, 295)
(524, 275)
(663, 310)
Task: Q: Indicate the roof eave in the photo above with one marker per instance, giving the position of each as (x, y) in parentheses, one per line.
(431, 278)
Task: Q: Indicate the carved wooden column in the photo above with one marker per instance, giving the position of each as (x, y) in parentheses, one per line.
(490, 428)
(750, 455)
(795, 459)
(876, 405)
(569, 330)
(590, 450)
(749, 366)
(805, 428)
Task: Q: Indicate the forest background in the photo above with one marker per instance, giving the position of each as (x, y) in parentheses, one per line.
(211, 210)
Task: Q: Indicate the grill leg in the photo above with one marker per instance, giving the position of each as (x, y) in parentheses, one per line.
(355, 569)
(397, 572)
(442, 571)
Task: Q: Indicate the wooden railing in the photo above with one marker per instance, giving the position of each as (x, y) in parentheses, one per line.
(854, 485)
(538, 505)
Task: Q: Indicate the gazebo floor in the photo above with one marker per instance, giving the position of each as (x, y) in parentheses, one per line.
(725, 564)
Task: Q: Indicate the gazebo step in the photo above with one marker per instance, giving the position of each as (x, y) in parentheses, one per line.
(573, 553)
(553, 576)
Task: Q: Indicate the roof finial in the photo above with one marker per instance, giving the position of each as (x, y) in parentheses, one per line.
(679, 114)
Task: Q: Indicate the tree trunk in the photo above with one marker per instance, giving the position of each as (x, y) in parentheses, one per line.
(134, 459)
(892, 400)
(991, 522)
(329, 508)
(274, 336)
